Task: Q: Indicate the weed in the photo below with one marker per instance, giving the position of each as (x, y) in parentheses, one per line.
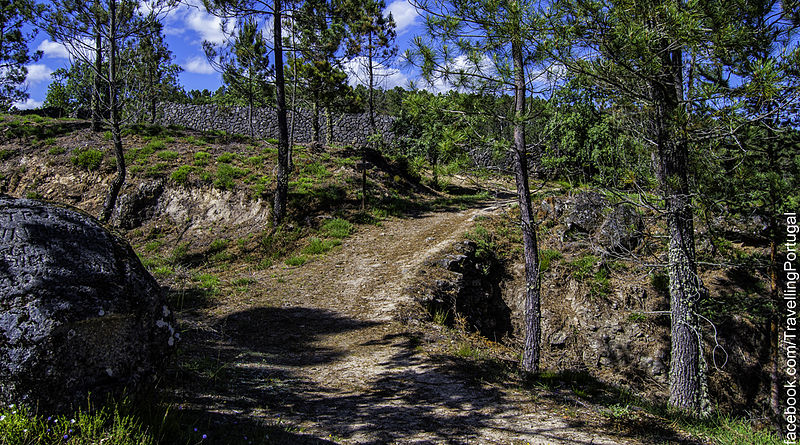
(167, 155)
(297, 260)
(108, 135)
(226, 158)
(209, 282)
(337, 228)
(546, 258)
(33, 195)
(636, 317)
(154, 146)
(181, 174)
(49, 141)
(226, 174)
(255, 161)
(163, 271)
(272, 141)
(317, 246)
(583, 267)
(201, 158)
(89, 158)
(56, 151)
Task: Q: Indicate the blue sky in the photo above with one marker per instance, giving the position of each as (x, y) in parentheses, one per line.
(185, 29)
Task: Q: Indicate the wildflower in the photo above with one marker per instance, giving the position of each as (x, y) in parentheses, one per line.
(204, 436)
(71, 420)
(66, 437)
(2, 418)
(195, 430)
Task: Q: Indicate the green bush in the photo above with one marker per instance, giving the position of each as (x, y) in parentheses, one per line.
(89, 158)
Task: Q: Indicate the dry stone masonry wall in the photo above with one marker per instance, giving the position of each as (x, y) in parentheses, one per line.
(347, 128)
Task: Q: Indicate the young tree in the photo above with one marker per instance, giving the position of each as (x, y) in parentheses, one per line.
(492, 46)
(682, 69)
(14, 53)
(245, 67)
(372, 44)
(154, 77)
(79, 27)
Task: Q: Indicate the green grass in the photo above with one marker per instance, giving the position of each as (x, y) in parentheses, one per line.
(318, 246)
(167, 155)
(202, 158)
(181, 174)
(89, 159)
(297, 260)
(546, 258)
(155, 145)
(337, 228)
(226, 176)
(226, 158)
(109, 425)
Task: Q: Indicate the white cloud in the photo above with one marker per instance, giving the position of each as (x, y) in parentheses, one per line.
(28, 104)
(192, 15)
(83, 48)
(404, 14)
(53, 50)
(198, 65)
(37, 73)
(385, 77)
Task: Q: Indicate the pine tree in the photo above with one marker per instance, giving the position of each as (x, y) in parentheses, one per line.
(492, 46)
(671, 63)
(245, 67)
(14, 54)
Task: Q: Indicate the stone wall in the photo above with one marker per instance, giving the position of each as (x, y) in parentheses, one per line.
(347, 128)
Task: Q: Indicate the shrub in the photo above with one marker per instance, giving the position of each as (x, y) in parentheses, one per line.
(89, 158)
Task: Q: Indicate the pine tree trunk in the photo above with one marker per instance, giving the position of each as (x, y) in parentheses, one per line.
(371, 96)
(315, 122)
(531, 351)
(329, 126)
(282, 187)
(687, 377)
(97, 116)
(119, 180)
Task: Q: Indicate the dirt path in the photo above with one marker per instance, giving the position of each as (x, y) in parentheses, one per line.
(320, 347)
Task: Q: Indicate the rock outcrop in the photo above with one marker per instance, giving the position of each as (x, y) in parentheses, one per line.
(79, 314)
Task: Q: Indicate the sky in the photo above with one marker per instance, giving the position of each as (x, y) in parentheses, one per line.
(185, 29)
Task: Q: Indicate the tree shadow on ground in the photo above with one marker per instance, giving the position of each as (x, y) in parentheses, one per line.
(262, 368)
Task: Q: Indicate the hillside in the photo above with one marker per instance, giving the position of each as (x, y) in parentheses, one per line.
(345, 325)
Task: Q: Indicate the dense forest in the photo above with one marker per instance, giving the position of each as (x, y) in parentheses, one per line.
(615, 142)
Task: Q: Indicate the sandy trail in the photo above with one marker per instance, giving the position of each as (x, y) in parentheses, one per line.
(320, 346)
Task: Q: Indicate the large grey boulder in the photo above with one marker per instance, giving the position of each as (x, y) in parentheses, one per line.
(79, 314)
